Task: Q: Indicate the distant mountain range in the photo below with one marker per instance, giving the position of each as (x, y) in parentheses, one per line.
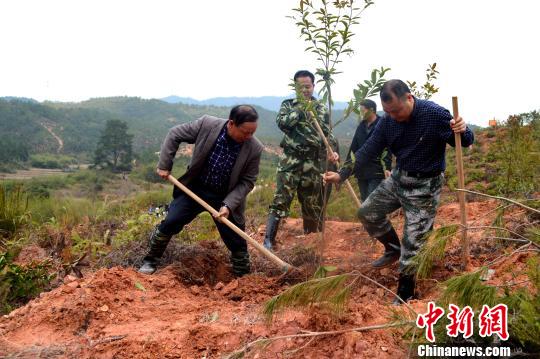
(78, 125)
(21, 99)
(271, 103)
(41, 126)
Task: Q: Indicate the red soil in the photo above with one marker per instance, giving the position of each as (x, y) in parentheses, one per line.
(119, 313)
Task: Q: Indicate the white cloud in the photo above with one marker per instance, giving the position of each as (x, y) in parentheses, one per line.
(74, 50)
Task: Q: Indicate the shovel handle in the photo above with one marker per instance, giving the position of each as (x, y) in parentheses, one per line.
(329, 150)
(271, 256)
(461, 195)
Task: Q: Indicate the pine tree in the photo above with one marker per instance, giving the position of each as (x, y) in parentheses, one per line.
(114, 149)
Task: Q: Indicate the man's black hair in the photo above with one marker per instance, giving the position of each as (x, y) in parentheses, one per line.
(369, 104)
(243, 113)
(304, 73)
(396, 87)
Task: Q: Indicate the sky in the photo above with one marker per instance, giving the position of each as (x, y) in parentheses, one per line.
(74, 50)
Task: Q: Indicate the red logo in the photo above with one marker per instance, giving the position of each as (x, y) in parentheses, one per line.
(460, 321)
(494, 321)
(429, 319)
(490, 321)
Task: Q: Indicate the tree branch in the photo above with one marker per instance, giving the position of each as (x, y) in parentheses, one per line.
(238, 353)
(500, 198)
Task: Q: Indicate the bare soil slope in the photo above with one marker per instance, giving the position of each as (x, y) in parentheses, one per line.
(198, 310)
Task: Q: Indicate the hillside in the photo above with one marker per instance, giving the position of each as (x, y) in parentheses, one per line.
(70, 247)
(74, 128)
(79, 124)
(271, 103)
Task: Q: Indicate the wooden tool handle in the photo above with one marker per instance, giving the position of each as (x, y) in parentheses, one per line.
(329, 150)
(461, 195)
(271, 256)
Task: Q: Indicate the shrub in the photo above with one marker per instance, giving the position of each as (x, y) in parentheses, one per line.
(516, 155)
(19, 284)
(47, 160)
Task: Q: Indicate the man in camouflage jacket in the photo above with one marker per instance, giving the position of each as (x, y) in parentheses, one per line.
(303, 161)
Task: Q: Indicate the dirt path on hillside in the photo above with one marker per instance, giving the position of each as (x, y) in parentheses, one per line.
(200, 311)
(49, 128)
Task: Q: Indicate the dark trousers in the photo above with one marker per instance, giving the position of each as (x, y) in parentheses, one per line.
(183, 210)
(367, 186)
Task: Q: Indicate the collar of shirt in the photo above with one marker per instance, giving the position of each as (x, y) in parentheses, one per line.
(371, 125)
(225, 135)
(415, 110)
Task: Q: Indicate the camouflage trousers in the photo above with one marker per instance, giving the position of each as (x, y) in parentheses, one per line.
(303, 177)
(419, 198)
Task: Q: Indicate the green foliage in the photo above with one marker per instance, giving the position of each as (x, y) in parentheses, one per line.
(13, 209)
(13, 150)
(20, 283)
(202, 228)
(341, 206)
(330, 292)
(327, 28)
(525, 306)
(323, 271)
(90, 181)
(533, 234)
(147, 173)
(114, 149)
(135, 229)
(146, 199)
(259, 198)
(433, 250)
(367, 89)
(65, 211)
(467, 289)
(516, 155)
(139, 286)
(428, 89)
(475, 175)
(47, 160)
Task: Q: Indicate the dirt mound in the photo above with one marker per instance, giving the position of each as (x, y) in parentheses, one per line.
(120, 313)
(190, 309)
(194, 308)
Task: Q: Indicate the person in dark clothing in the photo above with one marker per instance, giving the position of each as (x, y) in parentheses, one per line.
(371, 174)
(416, 132)
(222, 171)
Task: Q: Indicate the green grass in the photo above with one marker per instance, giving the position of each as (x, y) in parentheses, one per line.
(13, 208)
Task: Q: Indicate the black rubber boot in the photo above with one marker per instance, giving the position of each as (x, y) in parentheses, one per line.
(311, 226)
(158, 243)
(272, 226)
(392, 248)
(240, 263)
(405, 288)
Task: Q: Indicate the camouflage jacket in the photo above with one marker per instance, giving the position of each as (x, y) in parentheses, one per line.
(301, 137)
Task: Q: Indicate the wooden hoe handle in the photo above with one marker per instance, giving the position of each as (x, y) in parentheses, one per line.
(271, 256)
